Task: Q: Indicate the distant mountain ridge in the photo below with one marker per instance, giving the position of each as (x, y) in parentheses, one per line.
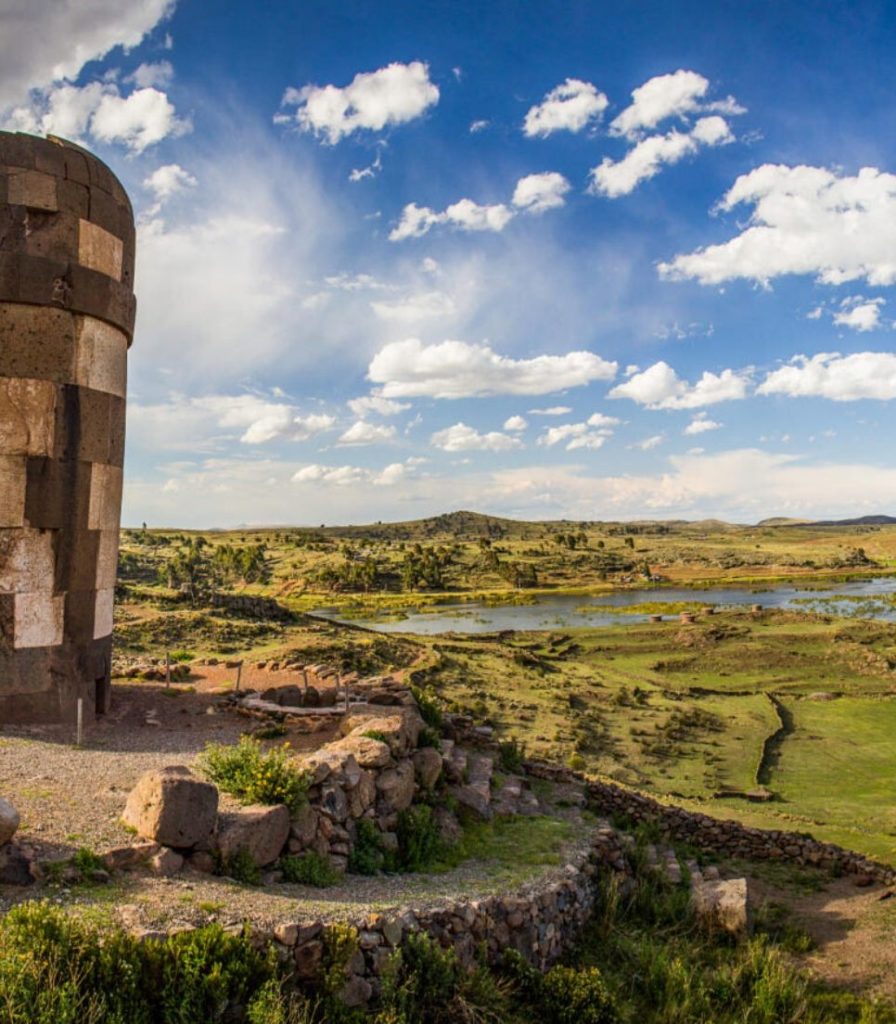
(859, 521)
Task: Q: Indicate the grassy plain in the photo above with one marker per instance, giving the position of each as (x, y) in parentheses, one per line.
(685, 711)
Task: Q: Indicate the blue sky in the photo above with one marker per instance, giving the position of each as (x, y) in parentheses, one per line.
(616, 260)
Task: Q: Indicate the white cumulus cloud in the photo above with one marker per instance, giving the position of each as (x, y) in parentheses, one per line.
(570, 107)
(613, 178)
(805, 220)
(859, 314)
(458, 369)
(659, 98)
(99, 111)
(47, 41)
(660, 387)
(367, 404)
(392, 95)
(465, 215)
(835, 376)
(461, 438)
(168, 180)
(700, 424)
(539, 192)
(515, 423)
(362, 432)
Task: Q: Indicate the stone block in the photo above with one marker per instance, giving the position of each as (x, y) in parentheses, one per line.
(99, 249)
(33, 189)
(100, 360)
(27, 560)
(102, 617)
(53, 236)
(12, 490)
(105, 497)
(174, 808)
(37, 342)
(259, 830)
(27, 416)
(38, 619)
(107, 559)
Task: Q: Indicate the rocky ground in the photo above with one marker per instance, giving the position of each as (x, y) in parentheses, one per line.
(71, 797)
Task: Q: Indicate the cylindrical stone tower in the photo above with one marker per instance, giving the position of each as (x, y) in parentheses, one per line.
(66, 321)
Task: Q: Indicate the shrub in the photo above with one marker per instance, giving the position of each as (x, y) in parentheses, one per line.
(571, 996)
(309, 869)
(429, 737)
(419, 841)
(56, 969)
(511, 754)
(430, 711)
(240, 866)
(425, 984)
(376, 734)
(367, 856)
(255, 776)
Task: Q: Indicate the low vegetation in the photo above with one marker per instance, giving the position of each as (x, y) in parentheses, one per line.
(256, 776)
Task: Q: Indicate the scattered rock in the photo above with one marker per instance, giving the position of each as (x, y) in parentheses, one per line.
(15, 866)
(166, 862)
(724, 905)
(173, 808)
(9, 821)
(427, 767)
(260, 830)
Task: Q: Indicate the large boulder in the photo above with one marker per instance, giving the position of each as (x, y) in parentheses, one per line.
(723, 905)
(173, 808)
(427, 767)
(400, 729)
(259, 830)
(396, 786)
(367, 751)
(9, 821)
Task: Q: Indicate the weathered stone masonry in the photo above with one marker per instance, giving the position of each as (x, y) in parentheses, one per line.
(66, 322)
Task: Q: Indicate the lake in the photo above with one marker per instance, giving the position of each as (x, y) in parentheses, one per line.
(868, 598)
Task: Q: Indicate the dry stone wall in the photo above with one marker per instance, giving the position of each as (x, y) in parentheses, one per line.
(66, 320)
(724, 837)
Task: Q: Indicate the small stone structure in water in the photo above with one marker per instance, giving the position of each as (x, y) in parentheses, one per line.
(67, 310)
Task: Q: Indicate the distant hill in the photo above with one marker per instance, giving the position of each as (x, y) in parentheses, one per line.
(859, 521)
(783, 521)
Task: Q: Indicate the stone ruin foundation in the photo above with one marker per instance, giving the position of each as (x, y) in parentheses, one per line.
(66, 321)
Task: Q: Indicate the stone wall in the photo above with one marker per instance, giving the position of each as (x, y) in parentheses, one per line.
(66, 321)
(724, 837)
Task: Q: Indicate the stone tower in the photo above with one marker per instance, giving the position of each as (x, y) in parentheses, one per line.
(66, 321)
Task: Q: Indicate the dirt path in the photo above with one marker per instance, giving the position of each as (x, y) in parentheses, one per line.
(854, 930)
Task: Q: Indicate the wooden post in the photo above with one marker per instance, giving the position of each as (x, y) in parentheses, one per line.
(80, 735)
(239, 676)
(305, 680)
(167, 668)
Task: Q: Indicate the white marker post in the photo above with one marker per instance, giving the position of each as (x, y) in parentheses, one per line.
(80, 734)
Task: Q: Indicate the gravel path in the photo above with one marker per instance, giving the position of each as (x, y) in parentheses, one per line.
(71, 796)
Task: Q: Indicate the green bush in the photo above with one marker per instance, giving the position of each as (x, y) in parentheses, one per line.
(367, 856)
(429, 737)
(240, 866)
(57, 969)
(511, 754)
(419, 842)
(425, 984)
(255, 776)
(430, 711)
(309, 869)
(571, 996)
